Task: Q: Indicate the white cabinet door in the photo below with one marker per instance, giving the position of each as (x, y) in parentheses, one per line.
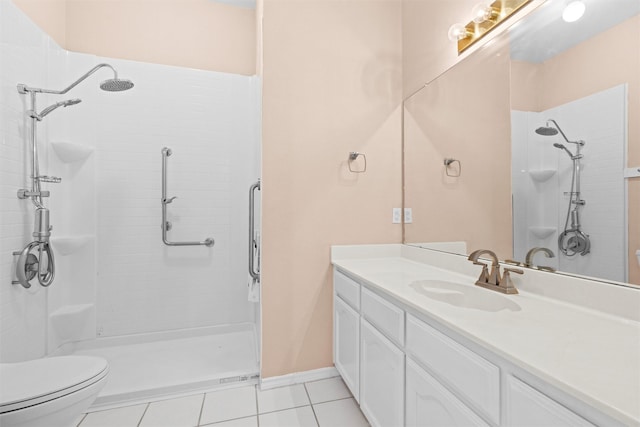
(381, 378)
(346, 344)
(526, 407)
(428, 403)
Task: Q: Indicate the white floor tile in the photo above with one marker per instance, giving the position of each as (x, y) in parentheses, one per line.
(327, 390)
(240, 422)
(297, 417)
(181, 412)
(340, 413)
(282, 398)
(229, 404)
(128, 416)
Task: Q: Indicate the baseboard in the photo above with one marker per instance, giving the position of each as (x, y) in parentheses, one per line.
(298, 378)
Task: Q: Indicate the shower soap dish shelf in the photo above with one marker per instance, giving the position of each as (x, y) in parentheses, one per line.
(542, 175)
(69, 152)
(542, 232)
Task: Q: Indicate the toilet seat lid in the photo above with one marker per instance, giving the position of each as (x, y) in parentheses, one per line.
(28, 383)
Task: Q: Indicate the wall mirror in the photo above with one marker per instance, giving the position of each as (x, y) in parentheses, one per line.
(531, 142)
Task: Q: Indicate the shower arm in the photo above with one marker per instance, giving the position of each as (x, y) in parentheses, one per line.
(22, 88)
(561, 132)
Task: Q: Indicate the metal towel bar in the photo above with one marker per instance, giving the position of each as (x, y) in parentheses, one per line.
(166, 225)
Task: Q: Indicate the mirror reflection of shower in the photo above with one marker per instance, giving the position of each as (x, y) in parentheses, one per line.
(30, 266)
(572, 240)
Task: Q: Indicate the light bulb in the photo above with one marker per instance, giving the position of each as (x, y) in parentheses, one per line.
(483, 12)
(573, 11)
(458, 32)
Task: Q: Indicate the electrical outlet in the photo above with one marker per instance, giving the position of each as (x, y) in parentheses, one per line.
(408, 216)
(397, 216)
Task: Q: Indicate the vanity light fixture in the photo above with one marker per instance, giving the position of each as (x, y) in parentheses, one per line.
(486, 16)
(573, 11)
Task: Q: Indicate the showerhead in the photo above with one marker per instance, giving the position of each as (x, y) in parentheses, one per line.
(547, 130)
(116, 85)
(552, 128)
(112, 85)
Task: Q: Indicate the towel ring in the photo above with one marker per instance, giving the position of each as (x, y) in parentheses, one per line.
(449, 162)
(353, 155)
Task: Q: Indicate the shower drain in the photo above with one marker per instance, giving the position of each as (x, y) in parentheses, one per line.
(237, 379)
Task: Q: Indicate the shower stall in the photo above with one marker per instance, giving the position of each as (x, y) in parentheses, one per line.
(169, 319)
(567, 184)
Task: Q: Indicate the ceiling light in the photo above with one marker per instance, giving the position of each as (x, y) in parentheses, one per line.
(573, 11)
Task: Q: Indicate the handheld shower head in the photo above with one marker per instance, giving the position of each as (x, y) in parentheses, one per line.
(50, 108)
(562, 147)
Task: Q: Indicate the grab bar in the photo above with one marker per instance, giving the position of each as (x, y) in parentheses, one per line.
(166, 225)
(255, 273)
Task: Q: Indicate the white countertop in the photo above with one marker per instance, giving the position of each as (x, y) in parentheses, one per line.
(591, 355)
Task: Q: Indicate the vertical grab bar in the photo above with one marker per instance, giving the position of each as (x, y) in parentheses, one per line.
(255, 274)
(166, 225)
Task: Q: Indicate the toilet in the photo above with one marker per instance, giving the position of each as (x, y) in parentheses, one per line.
(49, 392)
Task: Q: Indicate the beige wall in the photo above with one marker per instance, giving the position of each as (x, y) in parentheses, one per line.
(427, 50)
(607, 60)
(458, 116)
(201, 34)
(50, 15)
(332, 84)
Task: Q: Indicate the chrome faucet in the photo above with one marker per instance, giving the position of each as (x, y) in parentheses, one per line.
(528, 260)
(491, 279)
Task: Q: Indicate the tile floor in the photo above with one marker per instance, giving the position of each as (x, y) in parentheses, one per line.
(323, 403)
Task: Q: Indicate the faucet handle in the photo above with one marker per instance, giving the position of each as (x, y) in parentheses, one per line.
(506, 282)
(484, 275)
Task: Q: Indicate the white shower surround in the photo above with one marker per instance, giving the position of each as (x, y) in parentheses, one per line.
(209, 120)
(601, 121)
(112, 198)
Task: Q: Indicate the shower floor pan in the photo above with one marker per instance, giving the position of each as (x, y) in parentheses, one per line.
(166, 364)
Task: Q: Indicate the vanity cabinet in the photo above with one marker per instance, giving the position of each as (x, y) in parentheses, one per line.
(406, 371)
(429, 404)
(472, 377)
(346, 347)
(381, 378)
(527, 407)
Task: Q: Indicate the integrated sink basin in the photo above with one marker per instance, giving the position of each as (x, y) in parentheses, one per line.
(465, 296)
